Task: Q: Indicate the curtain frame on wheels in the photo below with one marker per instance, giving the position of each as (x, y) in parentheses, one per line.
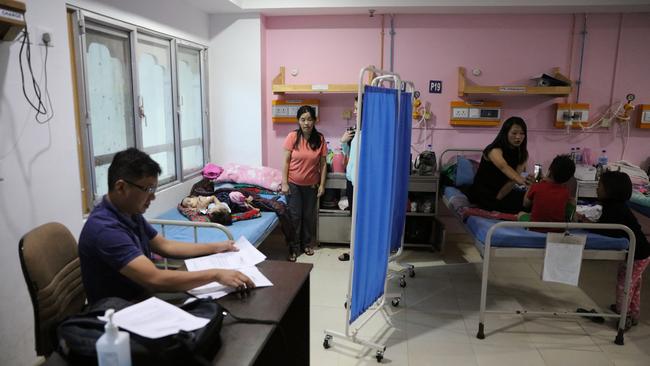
(354, 322)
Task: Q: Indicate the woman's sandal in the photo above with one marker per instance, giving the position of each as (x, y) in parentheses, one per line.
(309, 251)
(292, 257)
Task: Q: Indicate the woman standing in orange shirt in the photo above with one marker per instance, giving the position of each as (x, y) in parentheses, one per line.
(303, 178)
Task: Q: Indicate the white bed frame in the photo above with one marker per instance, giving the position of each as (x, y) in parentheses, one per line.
(489, 252)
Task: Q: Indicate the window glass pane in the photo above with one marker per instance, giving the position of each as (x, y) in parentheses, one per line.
(155, 84)
(191, 126)
(110, 97)
(101, 177)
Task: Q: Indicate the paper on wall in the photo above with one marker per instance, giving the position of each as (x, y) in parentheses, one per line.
(563, 258)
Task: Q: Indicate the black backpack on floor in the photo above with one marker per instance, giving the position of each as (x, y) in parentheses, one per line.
(78, 334)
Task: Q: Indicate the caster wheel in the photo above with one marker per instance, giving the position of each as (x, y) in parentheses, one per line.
(402, 282)
(411, 272)
(395, 302)
(326, 342)
(379, 356)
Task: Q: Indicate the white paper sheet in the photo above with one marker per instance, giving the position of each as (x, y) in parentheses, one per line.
(247, 256)
(563, 258)
(216, 290)
(155, 318)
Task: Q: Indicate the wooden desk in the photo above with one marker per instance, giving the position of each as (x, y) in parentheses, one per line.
(286, 302)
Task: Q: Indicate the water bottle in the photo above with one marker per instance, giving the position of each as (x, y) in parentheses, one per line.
(113, 348)
(578, 156)
(572, 155)
(330, 154)
(602, 159)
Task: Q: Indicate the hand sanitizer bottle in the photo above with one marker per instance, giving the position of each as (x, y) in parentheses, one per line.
(113, 347)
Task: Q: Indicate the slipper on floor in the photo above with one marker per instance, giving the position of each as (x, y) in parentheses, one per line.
(595, 319)
(292, 257)
(344, 257)
(309, 251)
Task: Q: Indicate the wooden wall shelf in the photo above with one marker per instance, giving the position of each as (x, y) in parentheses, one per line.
(557, 91)
(279, 87)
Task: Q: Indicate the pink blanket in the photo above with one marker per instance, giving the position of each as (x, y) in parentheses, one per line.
(262, 176)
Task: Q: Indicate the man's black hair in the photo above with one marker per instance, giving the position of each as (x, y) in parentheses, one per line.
(562, 168)
(131, 164)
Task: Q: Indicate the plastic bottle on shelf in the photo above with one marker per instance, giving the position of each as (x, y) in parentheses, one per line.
(578, 156)
(602, 159)
(330, 154)
(338, 162)
(572, 155)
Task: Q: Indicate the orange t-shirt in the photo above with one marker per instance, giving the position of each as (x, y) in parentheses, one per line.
(304, 165)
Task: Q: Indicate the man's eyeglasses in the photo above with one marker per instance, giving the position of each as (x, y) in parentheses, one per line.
(149, 190)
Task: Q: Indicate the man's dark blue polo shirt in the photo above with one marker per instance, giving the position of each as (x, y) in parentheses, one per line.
(108, 242)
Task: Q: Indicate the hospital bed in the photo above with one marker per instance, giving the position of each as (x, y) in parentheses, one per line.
(640, 203)
(494, 238)
(173, 225)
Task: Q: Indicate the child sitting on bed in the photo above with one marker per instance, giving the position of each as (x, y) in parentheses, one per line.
(549, 198)
(614, 190)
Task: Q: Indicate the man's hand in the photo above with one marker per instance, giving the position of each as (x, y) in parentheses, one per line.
(321, 191)
(235, 279)
(285, 188)
(225, 246)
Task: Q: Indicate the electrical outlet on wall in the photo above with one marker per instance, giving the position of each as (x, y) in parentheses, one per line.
(41, 36)
(460, 112)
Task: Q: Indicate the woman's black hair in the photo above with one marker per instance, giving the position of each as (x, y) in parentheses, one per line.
(316, 138)
(501, 141)
(617, 186)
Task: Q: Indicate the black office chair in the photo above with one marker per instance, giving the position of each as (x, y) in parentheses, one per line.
(50, 263)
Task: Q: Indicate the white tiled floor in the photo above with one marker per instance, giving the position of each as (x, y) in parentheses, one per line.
(437, 318)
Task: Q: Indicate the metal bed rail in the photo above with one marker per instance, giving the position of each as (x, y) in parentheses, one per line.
(556, 225)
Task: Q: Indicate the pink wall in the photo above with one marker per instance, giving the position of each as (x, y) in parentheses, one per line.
(507, 48)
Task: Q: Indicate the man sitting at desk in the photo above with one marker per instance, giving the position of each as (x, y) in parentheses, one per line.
(116, 242)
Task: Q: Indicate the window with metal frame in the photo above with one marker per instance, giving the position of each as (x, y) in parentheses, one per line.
(137, 88)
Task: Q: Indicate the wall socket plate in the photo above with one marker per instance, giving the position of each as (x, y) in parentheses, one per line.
(460, 113)
(36, 36)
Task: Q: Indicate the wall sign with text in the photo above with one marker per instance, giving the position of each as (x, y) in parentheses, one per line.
(435, 86)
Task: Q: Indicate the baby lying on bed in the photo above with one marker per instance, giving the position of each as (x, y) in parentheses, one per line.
(550, 199)
(210, 206)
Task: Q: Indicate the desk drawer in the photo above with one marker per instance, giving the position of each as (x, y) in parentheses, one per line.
(334, 228)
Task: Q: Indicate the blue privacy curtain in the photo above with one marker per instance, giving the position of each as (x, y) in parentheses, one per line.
(381, 191)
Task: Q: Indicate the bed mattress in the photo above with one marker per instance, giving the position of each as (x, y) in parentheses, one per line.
(518, 237)
(644, 210)
(255, 230)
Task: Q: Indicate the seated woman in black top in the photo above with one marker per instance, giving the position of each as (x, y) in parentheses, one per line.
(500, 169)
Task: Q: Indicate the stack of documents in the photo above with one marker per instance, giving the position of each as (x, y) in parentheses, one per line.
(244, 261)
